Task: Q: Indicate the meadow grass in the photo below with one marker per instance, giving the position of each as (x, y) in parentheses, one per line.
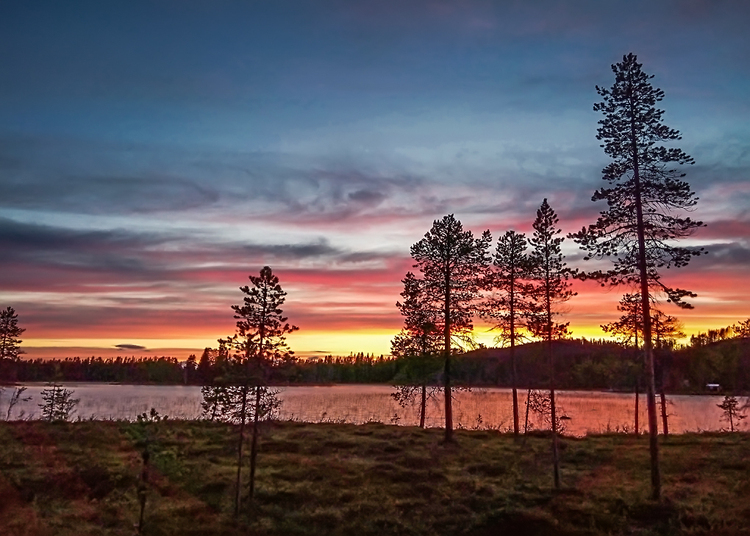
(372, 479)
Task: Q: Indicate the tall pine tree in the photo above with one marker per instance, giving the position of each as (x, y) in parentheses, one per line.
(453, 265)
(507, 307)
(645, 197)
(549, 276)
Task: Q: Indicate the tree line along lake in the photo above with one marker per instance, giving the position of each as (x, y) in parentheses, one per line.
(584, 412)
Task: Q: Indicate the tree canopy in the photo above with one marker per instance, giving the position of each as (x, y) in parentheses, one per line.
(10, 344)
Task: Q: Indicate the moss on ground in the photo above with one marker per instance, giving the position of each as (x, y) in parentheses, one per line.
(315, 479)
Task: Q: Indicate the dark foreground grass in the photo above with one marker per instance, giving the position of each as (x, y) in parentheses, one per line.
(315, 479)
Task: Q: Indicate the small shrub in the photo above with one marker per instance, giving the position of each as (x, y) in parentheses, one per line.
(151, 416)
(59, 404)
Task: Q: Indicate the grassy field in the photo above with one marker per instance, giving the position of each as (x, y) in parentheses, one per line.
(82, 478)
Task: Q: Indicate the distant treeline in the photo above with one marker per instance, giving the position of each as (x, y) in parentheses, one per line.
(580, 364)
(356, 368)
(163, 370)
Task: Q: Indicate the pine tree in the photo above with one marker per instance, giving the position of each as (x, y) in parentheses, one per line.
(453, 265)
(10, 344)
(420, 335)
(417, 343)
(629, 327)
(261, 339)
(549, 276)
(645, 196)
(260, 320)
(507, 307)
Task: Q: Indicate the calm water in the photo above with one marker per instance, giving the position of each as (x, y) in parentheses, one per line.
(588, 412)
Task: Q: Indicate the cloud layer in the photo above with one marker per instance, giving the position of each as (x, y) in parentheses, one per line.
(152, 157)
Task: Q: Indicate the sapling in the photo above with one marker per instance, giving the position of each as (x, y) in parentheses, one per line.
(59, 403)
(732, 412)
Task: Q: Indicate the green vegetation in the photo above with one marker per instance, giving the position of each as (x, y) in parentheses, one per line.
(83, 478)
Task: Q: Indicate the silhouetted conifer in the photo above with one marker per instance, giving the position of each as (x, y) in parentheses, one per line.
(645, 195)
(508, 306)
(261, 341)
(10, 344)
(453, 265)
(417, 344)
(550, 287)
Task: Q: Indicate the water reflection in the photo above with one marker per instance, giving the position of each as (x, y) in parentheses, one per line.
(588, 412)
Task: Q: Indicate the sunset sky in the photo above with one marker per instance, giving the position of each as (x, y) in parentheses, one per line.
(153, 154)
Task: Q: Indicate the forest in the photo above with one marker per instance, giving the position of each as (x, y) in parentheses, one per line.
(583, 364)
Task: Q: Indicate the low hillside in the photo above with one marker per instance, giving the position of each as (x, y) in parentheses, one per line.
(581, 364)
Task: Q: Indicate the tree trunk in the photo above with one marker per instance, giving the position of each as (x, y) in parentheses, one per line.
(664, 420)
(447, 371)
(143, 489)
(662, 397)
(239, 452)
(653, 428)
(526, 423)
(637, 395)
(555, 447)
(513, 371)
(553, 411)
(513, 379)
(254, 443)
(448, 400)
(423, 406)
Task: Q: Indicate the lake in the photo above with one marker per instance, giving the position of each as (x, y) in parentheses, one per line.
(587, 411)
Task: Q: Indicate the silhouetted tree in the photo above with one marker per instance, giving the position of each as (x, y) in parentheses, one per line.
(507, 307)
(262, 330)
(549, 276)
(629, 327)
(742, 329)
(644, 196)
(666, 330)
(732, 412)
(417, 343)
(453, 265)
(205, 364)
(191, 368)
(58, 404)
(10, 344)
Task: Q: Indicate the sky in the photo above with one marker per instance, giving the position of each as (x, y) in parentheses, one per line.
(155, 154)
